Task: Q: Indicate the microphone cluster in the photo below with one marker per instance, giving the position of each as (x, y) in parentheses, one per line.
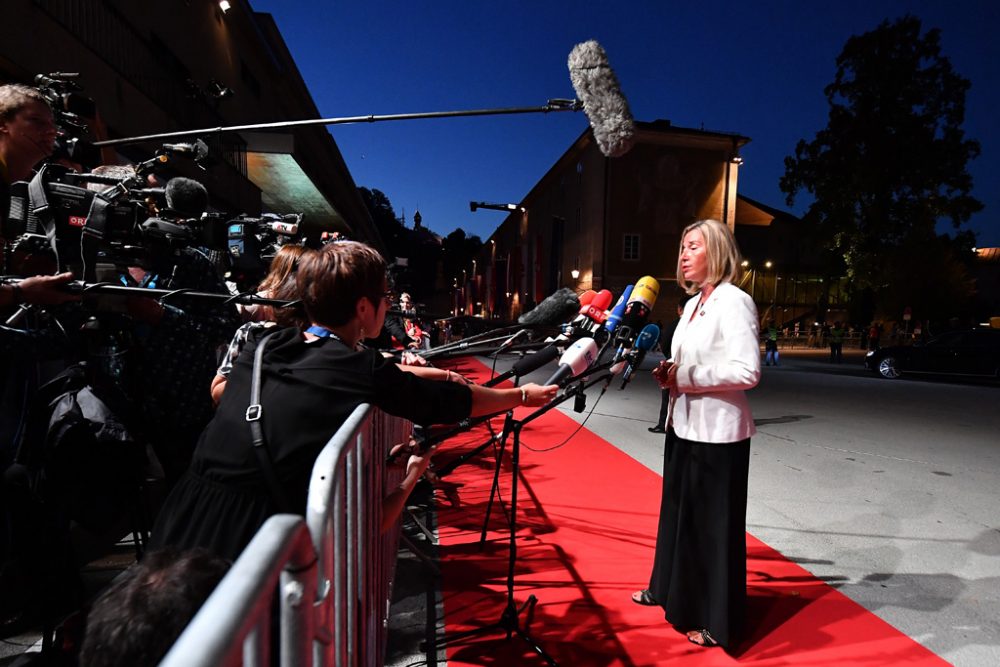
(624, 324)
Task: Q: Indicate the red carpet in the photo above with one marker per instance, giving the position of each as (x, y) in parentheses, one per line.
(586, 532)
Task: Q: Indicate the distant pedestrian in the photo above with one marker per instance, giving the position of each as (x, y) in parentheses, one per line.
(771, 344)
(836, 343)
(874, 333)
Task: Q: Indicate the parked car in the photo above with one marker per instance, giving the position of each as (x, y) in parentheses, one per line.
(966, 352)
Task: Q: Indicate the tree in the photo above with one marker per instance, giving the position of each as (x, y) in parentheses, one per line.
(459, 251)
(891, 162)
(388, 225)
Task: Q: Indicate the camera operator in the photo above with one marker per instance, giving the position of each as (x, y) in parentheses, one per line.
(27, 136)
(177, 342)
(178, 345)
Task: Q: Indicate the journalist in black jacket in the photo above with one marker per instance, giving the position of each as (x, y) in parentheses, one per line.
(312, 381)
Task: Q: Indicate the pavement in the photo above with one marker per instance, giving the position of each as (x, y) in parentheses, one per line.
(885, 489)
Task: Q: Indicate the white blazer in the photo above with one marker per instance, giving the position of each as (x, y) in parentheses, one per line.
(718, 358)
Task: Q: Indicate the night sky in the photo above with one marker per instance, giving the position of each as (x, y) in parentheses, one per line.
(753, 68)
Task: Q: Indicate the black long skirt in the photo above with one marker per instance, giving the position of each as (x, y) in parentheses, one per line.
(699, 572)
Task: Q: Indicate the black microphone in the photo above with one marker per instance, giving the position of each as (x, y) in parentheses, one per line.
(186, 197)
(553, 309)
(197, 151)
(597, 87)
(528, 364)
(510, 341)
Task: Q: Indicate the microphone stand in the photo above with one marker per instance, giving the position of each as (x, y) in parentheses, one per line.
(509, 618)
(572, 392)
(81, 287)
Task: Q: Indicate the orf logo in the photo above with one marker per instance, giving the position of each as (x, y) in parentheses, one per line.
(77, 221)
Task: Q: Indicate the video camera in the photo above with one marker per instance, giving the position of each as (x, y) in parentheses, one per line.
(69, 109)
(74, 221)
(252, 243)
(118, 224)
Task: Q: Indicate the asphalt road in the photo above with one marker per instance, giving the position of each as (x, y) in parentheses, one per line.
(886, 489)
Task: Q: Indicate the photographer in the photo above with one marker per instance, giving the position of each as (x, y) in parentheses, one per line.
(417, 336)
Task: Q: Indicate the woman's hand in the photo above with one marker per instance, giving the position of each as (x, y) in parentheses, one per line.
(666, 375)
(412, 359)
(535, 395)
(416, 465)
(457, 377)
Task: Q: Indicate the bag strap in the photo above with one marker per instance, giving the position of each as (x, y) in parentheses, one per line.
(253, 416)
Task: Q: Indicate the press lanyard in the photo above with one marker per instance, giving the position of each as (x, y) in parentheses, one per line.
(323, 332)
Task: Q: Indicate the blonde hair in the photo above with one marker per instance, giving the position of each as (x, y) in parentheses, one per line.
(721, 252)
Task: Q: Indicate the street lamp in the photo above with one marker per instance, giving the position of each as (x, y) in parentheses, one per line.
(575, 273)
(473, 205)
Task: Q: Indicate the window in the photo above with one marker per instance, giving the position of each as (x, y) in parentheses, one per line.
(630, 247)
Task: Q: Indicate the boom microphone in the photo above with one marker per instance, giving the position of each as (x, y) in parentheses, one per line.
(575, 360)
(186, 197)
(597, 87)
(553, 309)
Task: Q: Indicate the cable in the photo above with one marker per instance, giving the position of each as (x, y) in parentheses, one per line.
(571, 435)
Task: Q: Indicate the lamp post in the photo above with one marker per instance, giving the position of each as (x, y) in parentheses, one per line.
(774, 277)
(474, 205)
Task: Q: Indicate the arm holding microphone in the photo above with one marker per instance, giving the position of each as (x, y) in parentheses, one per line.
(486, 400)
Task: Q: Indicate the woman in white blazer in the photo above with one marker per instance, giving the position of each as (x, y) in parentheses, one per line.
(699, 571)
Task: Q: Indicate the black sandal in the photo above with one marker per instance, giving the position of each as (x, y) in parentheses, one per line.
(702, 638)
(645, 598)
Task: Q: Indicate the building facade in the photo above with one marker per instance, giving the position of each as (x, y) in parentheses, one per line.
(597, 223)
(176, 66)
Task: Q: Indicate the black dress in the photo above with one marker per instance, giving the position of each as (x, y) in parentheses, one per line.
(308, 389)
(699, 570)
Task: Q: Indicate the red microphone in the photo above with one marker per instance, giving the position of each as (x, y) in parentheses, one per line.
(593, 315)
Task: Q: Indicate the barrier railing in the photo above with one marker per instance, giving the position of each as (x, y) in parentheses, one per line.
(234, 625)
(335, 567)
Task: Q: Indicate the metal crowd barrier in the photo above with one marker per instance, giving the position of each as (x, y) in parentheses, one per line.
(335, 567)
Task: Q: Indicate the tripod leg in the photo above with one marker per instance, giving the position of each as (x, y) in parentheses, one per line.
(495, 488)
(450, 466)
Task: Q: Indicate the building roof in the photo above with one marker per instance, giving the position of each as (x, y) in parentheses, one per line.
(752, 212)
(657, 131)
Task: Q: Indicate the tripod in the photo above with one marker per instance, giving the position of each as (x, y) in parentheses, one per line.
(509, 621)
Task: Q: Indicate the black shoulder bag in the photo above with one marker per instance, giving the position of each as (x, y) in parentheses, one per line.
(254, 413)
